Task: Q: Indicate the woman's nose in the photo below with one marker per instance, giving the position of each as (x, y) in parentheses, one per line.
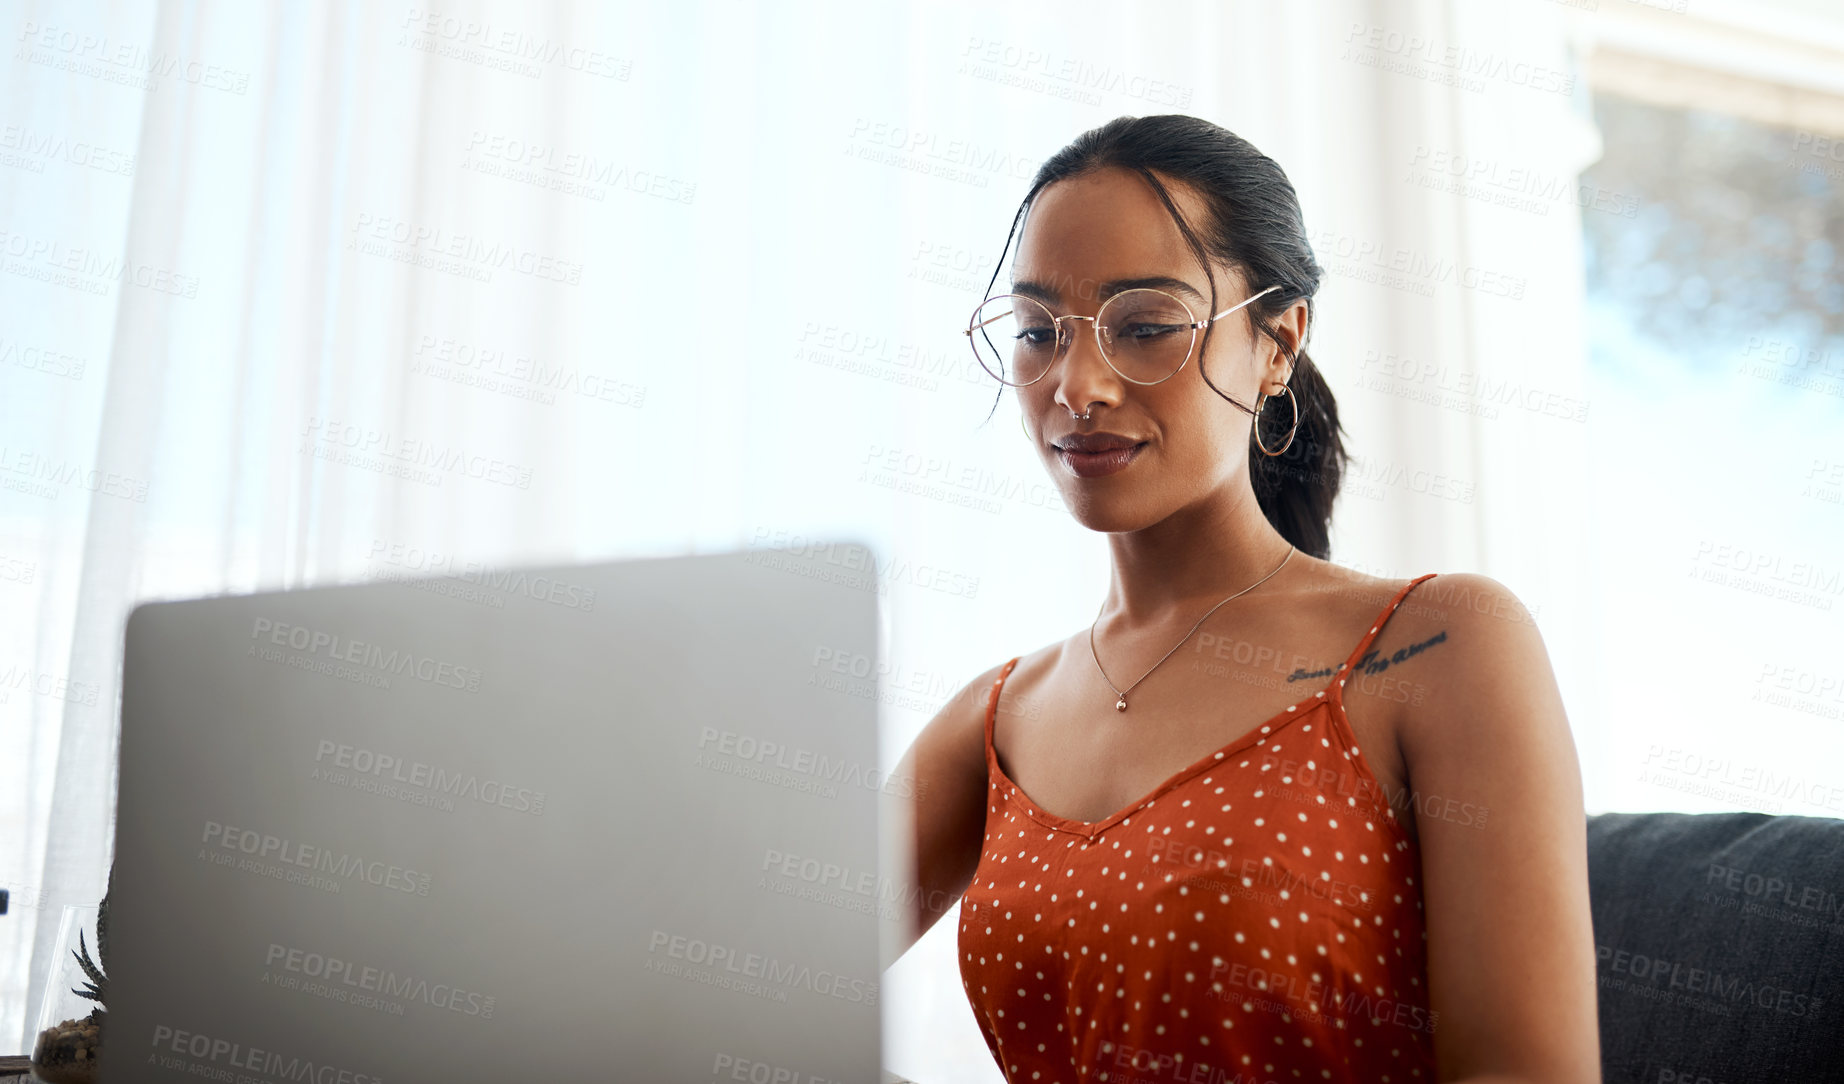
(1086, 376)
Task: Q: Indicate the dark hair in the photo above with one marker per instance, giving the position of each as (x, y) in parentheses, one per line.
(1254, 226)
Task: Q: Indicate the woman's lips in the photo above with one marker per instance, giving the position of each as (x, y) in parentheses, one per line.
(1098, 464)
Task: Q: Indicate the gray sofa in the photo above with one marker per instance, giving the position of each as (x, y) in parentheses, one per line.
(1719, 945)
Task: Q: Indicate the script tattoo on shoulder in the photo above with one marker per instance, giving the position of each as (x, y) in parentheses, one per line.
(1374, 661)
(1371, 663)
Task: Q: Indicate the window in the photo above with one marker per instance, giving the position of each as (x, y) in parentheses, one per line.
(1713, 227)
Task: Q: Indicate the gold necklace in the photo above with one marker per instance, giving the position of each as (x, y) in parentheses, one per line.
(1121, 704)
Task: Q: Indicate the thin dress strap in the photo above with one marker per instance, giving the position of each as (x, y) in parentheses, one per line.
(992, 703)
(1376, 626)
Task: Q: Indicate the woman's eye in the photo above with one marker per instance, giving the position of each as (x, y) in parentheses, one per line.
(1036, 336)
(1146, 330)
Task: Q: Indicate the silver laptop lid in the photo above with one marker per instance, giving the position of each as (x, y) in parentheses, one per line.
(616, 822)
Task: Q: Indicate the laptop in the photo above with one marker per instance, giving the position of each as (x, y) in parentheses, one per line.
(610, 822)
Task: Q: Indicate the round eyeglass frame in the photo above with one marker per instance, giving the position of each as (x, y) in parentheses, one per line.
(1095, 323)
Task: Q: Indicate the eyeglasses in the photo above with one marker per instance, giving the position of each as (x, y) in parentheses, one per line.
(1144, 335)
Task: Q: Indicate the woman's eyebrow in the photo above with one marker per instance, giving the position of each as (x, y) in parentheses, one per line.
(1047, 293)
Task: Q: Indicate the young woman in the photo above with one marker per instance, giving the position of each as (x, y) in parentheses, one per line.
(1268, 818)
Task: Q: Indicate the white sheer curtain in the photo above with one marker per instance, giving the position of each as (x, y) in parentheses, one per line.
(338, 292)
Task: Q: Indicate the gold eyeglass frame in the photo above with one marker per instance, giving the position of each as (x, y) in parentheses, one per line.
(1064, 342)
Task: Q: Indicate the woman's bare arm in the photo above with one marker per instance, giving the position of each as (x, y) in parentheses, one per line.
(1511, 966)
(946, 769)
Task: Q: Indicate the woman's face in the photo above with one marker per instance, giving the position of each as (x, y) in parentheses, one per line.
(1080, 236)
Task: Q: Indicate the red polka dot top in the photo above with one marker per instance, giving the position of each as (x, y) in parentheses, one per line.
(1256, 918)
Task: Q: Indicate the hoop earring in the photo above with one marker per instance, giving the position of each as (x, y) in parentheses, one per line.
(1255, 429)
(1021, 428)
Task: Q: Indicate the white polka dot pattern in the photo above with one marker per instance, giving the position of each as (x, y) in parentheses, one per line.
(1257, 916)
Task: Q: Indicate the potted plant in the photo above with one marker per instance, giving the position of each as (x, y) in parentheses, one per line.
(67, 1051)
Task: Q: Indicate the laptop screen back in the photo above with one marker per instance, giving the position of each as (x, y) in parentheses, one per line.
(615, 822)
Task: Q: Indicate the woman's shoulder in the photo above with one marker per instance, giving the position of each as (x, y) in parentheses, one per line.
(1433, 595)
(1008, 676)
(1029, 668)
(1345, 595)
(1463, 622)
(1452, 637)
(1468, 605)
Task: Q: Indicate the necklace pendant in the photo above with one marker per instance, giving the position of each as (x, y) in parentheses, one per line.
(1121, 704)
